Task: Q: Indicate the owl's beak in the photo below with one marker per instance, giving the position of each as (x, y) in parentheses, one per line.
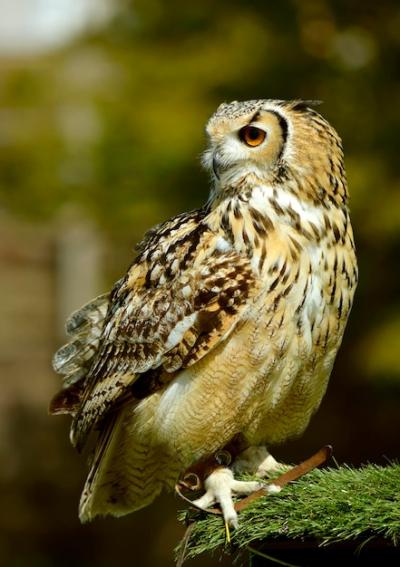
(216, 165)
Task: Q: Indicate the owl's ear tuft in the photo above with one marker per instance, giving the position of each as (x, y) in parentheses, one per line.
(304, 105)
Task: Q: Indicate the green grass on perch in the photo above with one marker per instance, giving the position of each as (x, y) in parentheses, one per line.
(329, 505)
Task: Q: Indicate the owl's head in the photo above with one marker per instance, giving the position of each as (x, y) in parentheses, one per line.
(272, 140)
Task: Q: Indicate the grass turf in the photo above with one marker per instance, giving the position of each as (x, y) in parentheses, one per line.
(328, 505)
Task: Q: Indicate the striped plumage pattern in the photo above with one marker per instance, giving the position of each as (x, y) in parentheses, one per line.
(229, 319)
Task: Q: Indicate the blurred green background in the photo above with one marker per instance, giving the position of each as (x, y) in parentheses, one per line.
(102, 114)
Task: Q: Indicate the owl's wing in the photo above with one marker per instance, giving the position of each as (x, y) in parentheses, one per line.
(184, 294)
(74, 360)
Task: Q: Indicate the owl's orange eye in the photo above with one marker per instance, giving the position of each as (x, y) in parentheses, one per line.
(252, 136)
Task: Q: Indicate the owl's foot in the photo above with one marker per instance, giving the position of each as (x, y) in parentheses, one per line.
(220, 486)
(258, 461)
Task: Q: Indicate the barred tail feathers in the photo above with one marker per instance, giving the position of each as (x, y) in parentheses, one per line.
(128, 471)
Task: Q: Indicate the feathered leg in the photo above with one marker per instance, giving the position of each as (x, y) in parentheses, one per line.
(219, 482)
(258, 461)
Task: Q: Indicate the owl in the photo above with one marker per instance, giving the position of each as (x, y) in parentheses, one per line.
(224, 330)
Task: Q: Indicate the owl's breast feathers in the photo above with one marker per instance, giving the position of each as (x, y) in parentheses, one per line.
(197, 277)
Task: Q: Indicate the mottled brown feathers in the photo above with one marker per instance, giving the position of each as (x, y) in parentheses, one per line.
(74, 360)
(179, 298)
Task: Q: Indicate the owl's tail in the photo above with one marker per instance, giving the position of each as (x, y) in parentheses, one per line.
(127, 473)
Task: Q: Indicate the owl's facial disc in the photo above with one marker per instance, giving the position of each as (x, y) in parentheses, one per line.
(249, 136)
(249, 143)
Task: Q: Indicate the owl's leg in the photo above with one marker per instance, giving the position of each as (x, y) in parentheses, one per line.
(220, 487)
(220, 484)
(258, 461)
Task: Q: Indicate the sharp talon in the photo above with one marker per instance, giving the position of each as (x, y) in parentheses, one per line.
(191, 481)
(223, 458)
(234, 522)
(227, 532)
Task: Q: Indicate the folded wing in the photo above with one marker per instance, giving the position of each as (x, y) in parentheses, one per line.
(182, 296)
